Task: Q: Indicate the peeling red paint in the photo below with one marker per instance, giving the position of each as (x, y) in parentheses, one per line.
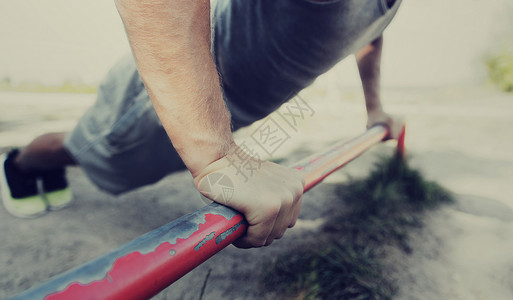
(157, 269)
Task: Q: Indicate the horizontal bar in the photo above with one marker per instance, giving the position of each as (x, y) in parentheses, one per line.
(319, 166)
(145, 266)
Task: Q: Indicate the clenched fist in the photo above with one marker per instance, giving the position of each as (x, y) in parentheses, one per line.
(394, 124)
(268, 194)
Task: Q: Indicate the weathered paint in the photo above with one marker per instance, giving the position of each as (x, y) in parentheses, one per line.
(223, 236)
(148, 264)
(171, 245)
(155, 270)
(206, 239)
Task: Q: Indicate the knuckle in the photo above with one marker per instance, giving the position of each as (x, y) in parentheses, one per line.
(256, 241)
(299, 177)
(303, 182)
(260, 244)
(288, 199)
(272, 209)
(297, 193)
(293, 220)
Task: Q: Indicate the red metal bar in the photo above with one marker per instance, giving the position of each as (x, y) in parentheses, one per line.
(142, 268)
(319, 166)
(400, 143)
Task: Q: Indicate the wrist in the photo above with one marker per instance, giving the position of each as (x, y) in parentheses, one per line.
(378, 117)
(375, 111)
(199, 158)
(373, 104)
(234, 159)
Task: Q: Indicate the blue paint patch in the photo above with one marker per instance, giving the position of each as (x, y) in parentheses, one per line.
(228, 232)
(206, 239)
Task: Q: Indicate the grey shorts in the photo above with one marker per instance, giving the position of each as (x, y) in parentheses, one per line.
(120, 142)
(265, 51)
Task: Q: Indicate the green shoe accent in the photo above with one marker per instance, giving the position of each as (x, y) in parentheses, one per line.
(59, 199)
(29, 207)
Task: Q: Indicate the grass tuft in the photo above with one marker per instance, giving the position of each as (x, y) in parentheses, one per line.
(500, 68)
(342, 270)
(383, 209)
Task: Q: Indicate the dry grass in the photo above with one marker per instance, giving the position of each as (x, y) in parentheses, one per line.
(384, 208)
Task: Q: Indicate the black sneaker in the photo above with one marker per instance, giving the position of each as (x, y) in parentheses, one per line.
(56, 191)
(22, 194)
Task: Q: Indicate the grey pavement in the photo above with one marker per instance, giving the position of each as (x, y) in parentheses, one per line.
(460, 137)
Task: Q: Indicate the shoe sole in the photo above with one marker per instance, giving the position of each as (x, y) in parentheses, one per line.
(59, 199)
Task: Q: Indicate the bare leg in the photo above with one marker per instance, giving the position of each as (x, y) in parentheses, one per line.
(46, 152)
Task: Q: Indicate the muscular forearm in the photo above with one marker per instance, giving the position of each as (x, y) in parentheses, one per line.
(369, 62)
(170, 41)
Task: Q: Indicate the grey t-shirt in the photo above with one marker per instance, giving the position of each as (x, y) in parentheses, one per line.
(268, 50)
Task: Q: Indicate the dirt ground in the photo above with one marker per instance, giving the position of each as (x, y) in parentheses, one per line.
(459, 137)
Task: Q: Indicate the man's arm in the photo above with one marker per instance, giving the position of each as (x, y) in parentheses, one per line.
(369, 66)
(170, 41)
